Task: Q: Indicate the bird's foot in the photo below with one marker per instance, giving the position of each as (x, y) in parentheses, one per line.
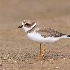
(40, 57)
(42, 53)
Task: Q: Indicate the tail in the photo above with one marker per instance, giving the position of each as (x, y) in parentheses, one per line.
(68, 35)
(65, 36)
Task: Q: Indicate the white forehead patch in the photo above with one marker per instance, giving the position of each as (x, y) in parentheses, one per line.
(22, 23)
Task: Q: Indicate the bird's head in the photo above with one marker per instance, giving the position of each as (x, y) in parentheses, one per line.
(27, 25)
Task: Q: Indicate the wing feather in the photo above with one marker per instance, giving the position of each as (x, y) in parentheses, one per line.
(49, 32)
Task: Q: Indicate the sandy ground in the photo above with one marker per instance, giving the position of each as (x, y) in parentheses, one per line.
(17, 52)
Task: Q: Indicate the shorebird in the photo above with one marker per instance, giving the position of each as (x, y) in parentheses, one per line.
(42, 35)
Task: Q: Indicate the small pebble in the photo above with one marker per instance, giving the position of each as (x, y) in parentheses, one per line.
(15, 61)
(0, 64)
(51, 59)
(56, 67)
(41, 62)
(64, 58)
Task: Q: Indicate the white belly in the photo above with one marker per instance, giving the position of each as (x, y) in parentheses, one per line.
(38, 38)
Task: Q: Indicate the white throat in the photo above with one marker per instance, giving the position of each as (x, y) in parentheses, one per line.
(27, 29)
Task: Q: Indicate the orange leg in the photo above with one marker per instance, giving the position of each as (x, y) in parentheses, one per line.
(42, 53)
(40, 49)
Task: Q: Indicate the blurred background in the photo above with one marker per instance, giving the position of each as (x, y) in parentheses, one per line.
(15, 47)
(13, 12)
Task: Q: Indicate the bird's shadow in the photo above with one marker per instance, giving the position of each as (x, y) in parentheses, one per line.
(56, 56)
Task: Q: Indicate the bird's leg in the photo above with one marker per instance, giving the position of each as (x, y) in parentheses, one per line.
(43, 51)
(40, 55)
(40, 49)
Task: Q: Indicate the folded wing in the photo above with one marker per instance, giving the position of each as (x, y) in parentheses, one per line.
(49, 32)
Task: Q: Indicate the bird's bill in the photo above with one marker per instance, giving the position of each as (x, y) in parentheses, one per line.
(20, 26)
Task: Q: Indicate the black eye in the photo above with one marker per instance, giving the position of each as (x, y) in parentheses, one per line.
(27, 24)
